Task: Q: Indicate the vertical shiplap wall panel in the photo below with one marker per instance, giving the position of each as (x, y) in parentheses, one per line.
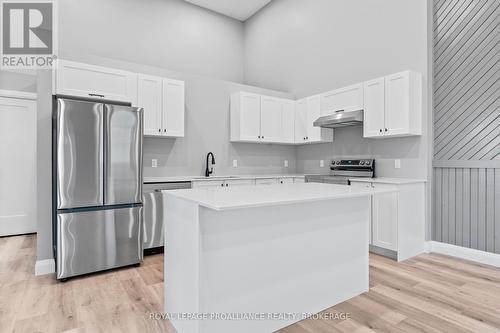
(466, 83)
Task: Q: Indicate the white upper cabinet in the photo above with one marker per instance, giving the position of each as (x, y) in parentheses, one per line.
(288, 121)
(373, 115)
(265, 119)
(149, 97)
(347, 99)
(83, 80)
(173, 108)
(163, 103)
(245, 117)
(308, 110)
(400, 112)
(271, 119)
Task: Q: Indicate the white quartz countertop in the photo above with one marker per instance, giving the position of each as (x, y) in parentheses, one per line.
(387, 180)
(257, 196)
(173, 179)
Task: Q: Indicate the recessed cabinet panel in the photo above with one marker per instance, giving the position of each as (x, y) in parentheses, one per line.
(348, 99)
(150, 98)
(374, 110)
(173, 106)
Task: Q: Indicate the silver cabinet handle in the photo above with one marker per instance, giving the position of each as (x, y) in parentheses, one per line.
(97, 95)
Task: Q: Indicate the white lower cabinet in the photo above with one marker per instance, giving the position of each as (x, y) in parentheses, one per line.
(298, 180)
(397, 217)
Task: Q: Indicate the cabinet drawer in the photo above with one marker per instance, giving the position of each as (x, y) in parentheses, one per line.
(83, 80)
(266, 181)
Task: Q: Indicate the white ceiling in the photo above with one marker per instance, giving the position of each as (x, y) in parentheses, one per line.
(238, 9)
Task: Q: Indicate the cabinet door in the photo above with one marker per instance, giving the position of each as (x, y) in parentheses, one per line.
(348, 99)
(385, 220)
(300, 120)
(78, 79)
(271, 119)
(288, 121)
(397, 104)
(374, 111)
(149, 97)
(298, 180)
(173, 108)
(313, 113)
(249, 117)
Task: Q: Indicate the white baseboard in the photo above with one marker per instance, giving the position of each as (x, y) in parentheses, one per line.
(482, 257)
(47, 266)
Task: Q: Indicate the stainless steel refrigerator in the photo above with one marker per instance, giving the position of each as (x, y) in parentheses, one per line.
(97, 174)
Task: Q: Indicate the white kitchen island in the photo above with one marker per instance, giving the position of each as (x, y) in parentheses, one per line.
(258, 258)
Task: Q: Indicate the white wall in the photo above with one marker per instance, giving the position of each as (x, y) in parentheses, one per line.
(12, 80)
(164, 33)
(307, 47)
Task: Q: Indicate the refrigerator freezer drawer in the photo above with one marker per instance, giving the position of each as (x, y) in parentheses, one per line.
(92, 241)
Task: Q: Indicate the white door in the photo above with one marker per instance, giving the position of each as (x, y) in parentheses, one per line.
(249, 117)
(78, 79)
(270, 119)
(149, 97)
(374, 111)
(18, 166)
(385, 220)
(348, 99)
(288, 121)
(300, 120)
(173, 108)
(397, 103)
(313, 113)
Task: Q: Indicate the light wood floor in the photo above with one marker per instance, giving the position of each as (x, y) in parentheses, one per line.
(431, 293)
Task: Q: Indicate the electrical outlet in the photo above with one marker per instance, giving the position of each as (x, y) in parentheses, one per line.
(154, 163)
(286, 163)
(235, 163)
(322, 163)
(397, 164)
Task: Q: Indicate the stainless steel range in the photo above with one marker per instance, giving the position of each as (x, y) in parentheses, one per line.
(342, 170)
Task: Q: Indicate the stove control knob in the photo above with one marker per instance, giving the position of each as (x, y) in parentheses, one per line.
(368, 162)
(338, 162)
(362, 163)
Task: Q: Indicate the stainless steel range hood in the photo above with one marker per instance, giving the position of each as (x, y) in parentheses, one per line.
(340, 118)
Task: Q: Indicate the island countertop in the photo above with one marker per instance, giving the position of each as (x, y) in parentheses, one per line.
(257, 196)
